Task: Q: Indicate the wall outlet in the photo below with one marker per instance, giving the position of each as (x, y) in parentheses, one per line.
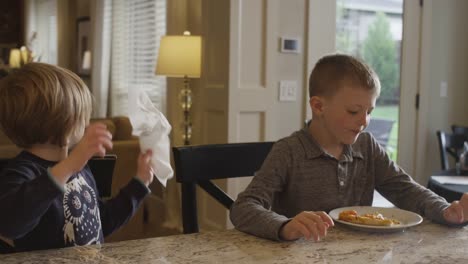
(287, 91)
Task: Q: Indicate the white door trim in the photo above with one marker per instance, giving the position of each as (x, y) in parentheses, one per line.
(410, 86)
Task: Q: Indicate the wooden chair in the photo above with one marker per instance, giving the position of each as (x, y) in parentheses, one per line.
(197, 165)
(451, 144)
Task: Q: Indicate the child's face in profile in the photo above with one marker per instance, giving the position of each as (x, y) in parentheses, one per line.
(347, 113)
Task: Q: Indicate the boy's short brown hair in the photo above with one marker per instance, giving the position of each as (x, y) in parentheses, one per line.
(42, 103)
(332, 72)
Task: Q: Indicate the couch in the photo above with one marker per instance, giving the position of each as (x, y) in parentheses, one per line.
(149, 221)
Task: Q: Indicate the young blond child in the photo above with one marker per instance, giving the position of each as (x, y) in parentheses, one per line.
(333, 163)
(48, 196)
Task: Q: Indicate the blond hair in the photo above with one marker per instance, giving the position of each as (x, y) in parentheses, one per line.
(42, 103)
(332, 72)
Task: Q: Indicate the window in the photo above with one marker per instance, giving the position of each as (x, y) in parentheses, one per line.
(137, 27)
(42, 34)
(373, 31)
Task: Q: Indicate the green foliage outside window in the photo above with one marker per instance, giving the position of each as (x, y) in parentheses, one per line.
(380, 53)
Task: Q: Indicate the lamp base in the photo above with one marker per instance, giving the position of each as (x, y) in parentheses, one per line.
(186, 103)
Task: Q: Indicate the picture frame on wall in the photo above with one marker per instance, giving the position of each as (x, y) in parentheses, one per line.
(83, 46)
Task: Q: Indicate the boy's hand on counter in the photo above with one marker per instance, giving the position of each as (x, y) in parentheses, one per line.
(307, 224)
(457, 212)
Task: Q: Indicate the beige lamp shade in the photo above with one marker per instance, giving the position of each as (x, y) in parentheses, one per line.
(15, 58)
(179, 56)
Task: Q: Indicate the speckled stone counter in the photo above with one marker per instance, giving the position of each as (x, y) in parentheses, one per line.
(426, 243)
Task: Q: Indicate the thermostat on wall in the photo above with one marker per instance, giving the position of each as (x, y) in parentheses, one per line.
(290, 45)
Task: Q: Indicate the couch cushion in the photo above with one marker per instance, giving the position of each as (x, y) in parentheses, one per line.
(9, 151)
(4, 140)
(109, 123)
(123, 128)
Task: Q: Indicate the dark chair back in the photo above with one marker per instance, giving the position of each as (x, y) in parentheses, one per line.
(380, 129)
(198, 165)
(4, 246)
(102, 169)
(3, 163)
(450, 144)
(463, 130)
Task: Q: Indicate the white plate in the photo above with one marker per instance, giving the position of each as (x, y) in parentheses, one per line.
(406, 218)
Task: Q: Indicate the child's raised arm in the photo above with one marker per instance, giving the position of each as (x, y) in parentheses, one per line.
(145, 172)
(95, 141)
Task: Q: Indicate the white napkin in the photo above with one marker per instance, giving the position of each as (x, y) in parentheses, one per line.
(153, 129)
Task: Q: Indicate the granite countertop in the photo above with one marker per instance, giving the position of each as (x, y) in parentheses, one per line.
(425, 243)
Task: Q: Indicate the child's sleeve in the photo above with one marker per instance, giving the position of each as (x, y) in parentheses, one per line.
(400, 189)
(251, 212)
(25, 196)
(117, 211)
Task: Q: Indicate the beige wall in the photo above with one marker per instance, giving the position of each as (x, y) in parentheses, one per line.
(260, 63)
(445, 58)
(292, 21)
(68, 11)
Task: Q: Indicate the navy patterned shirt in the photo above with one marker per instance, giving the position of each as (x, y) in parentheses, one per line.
(39, 214)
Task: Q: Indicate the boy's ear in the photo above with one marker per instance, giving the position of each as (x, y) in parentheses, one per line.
(316, 105)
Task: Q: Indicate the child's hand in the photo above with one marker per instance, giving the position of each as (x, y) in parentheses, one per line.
(307, 224)
(145, 171)
(95, 141)
(457, 212)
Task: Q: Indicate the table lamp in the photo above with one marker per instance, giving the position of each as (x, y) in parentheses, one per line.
(15, 58)
(19, 57)
(180, 56)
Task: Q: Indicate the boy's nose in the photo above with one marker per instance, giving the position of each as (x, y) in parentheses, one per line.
(364, 120)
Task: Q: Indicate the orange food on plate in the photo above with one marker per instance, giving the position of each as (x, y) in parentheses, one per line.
(374, 219)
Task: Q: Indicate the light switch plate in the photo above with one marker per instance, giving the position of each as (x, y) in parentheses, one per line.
(288, 91)
(443, 89)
